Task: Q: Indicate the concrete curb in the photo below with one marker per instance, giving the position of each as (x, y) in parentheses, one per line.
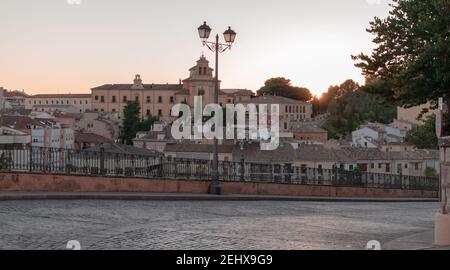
(21, 196)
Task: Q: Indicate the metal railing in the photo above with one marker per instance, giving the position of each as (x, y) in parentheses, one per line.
(101, 163)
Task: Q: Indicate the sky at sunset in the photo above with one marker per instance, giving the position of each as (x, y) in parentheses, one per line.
(56, 46)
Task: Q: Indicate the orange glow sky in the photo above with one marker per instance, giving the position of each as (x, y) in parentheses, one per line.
(51, 46)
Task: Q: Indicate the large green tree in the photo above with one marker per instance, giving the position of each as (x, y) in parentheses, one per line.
(283, 87)
(131, 122)
(410, 64)
(424, 136)
(350, 105)
(147, 124)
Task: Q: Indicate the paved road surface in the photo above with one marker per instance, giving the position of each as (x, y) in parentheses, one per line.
(211, 224)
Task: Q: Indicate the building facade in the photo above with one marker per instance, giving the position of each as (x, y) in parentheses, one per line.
(158, 99)
(68, 103)
(311, 134)
(290, 109)
(53, 137)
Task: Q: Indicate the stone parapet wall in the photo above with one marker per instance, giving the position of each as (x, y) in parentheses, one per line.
(28, 182)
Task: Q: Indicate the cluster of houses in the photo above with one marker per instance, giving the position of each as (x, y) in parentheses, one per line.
(92, 121)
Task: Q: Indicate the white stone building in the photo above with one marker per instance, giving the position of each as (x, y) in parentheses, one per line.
(373, 135)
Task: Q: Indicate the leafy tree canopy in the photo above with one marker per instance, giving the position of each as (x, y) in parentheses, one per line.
(410, 63)
(283, 87)
(424, 136)
(131, 122)
(350, 106)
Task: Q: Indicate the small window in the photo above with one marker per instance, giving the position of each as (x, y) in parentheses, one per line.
(102, 99)
(160, 99)
(149, 100)
(159, 112)
(113, 99)
(125, 99)
(172, 100)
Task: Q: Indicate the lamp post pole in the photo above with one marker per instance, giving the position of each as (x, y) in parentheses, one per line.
(215, 183)
(217, 47)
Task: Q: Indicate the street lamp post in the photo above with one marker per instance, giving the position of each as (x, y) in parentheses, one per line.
(204, 32)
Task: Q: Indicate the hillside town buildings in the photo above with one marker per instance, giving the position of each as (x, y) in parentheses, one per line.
(93, 122)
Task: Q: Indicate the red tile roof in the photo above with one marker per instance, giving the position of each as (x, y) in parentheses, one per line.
(23, 123)
(173, 87)
(9, 94)
(62, 96)
(91, 138)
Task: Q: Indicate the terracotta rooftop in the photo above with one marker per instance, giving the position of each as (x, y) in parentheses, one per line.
(197, 148)
(173, 87)
(253, 153)
(8, 94)
(238, 92)
(273, 100)
(286, 153)
(62, 96)
(310, 129)
(154, 135)
(23, 123)
(81, 137)
(126, 149)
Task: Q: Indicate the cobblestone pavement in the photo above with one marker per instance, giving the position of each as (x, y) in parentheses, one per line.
(208, 225)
